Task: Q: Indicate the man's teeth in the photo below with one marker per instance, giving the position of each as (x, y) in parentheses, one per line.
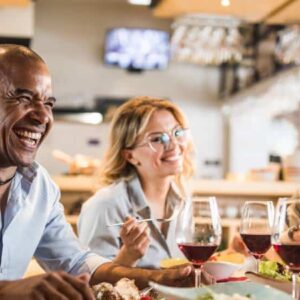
(29, 137)
(28, 134)
(29, 141)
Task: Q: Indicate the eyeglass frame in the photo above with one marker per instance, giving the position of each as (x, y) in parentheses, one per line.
(171, 137)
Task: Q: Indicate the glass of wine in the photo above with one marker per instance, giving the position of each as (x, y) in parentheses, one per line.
(256, 227)
(198, 233)
(286, 237)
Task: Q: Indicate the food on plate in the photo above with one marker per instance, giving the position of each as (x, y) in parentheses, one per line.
(146, 298)
(105, 291)
(172, 262)
(274, 270)
(125, 289)
(216, 296)
(232, 257)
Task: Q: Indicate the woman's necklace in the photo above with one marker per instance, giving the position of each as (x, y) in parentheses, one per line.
(7, 180)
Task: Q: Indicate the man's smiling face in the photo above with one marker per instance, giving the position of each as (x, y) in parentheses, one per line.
(26, 104)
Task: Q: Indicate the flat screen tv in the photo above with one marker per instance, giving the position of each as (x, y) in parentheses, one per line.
(137, 49)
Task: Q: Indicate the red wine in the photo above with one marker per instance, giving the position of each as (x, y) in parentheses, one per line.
(290, 254)
(197, 253)
(258, 244)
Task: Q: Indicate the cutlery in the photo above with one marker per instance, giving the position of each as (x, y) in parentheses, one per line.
(160, 220)
(144, 220)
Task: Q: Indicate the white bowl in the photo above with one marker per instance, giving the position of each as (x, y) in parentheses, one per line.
(221, 270)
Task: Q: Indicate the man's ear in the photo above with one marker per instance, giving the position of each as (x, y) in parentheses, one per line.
(127, 155)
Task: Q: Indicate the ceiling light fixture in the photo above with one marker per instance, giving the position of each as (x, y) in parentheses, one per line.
(225, 3)
(140, 2)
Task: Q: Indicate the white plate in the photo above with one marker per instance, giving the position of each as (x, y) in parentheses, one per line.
(285, 286)
(256, 290)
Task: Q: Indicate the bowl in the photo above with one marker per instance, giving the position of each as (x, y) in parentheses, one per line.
(221, 270)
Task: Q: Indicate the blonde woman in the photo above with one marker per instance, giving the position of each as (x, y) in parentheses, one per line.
(143, 176)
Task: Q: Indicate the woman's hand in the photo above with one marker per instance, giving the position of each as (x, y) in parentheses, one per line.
(135, 238)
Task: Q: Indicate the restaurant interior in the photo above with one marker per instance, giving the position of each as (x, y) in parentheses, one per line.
(232, 66)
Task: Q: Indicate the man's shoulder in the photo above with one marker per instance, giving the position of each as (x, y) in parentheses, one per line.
(43, 178)
(37, 185)
(42, 172)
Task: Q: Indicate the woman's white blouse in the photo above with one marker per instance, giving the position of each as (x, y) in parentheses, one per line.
(113, 204)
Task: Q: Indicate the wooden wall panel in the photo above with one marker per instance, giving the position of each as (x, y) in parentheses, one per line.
(291, 14)
(14, 2)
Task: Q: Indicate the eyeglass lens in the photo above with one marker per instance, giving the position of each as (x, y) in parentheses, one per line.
(162, 141)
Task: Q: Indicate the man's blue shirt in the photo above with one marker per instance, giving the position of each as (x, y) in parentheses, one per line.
(34, 225)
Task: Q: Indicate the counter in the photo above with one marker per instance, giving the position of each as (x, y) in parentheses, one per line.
(274, 189)
(230, 195)
(89, 184)
(79, 183)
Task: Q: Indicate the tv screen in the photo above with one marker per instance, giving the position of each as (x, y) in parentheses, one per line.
(137, 49)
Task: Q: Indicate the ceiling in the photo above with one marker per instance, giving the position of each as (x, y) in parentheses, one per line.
(14, 2)
(268, 11)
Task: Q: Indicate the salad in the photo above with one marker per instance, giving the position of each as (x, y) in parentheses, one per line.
(215, 296)
(274, 270)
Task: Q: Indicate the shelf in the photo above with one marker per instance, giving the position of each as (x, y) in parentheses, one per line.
(274, 189)
(225, 222)
(231, 225)
(79, 183)
(199, 187)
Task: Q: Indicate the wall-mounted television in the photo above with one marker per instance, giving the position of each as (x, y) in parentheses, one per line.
(137, 48)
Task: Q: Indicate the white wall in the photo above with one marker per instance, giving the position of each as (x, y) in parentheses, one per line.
(69, 35)
(251, 114)
(17, 21)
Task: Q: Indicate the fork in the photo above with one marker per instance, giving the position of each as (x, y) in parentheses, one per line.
(146, 291)
(160, 220)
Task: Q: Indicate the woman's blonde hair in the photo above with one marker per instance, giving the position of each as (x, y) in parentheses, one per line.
(129, 123)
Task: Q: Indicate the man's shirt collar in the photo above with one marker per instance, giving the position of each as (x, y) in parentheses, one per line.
(29, 172)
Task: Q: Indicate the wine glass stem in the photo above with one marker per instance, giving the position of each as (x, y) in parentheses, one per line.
(295, 286)
(198, 271)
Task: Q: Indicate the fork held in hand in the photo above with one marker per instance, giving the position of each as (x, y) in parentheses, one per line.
(161, 220)
(142, 220)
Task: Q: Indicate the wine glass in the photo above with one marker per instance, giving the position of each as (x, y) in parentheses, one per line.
(256, 227)
(198, 237)
(286, 237)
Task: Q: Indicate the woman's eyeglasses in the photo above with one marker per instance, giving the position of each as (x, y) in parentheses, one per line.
(159, 142)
